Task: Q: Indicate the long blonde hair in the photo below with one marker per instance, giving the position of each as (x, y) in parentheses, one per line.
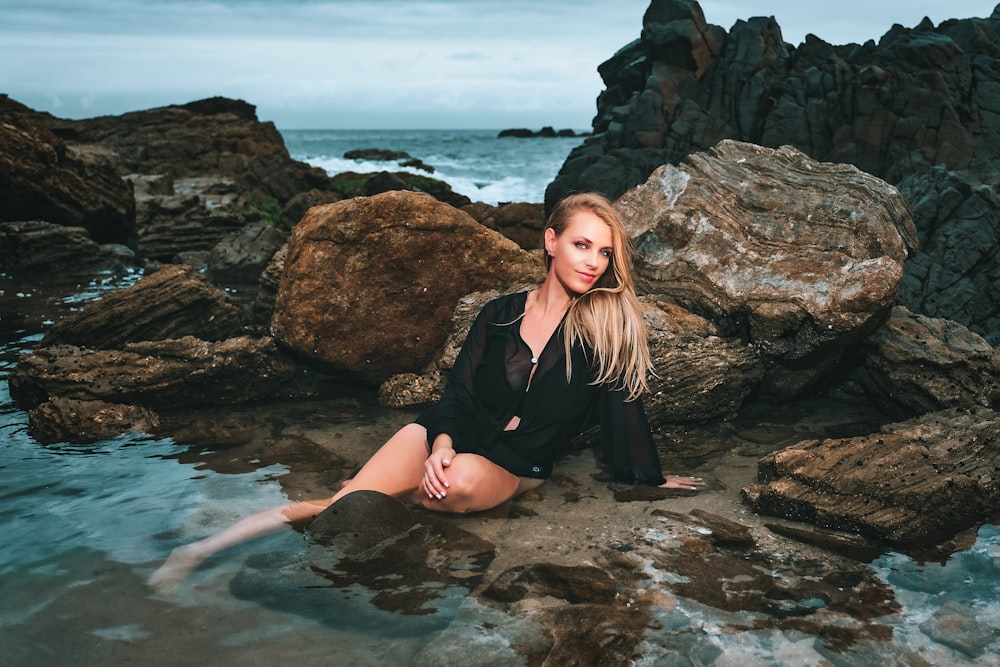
(607, 319)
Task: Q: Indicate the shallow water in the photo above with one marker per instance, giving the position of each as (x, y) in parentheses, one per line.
(84, 525)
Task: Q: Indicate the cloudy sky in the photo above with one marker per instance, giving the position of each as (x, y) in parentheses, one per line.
(358, 64)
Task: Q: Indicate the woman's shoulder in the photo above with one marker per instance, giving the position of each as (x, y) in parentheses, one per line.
(507, 305)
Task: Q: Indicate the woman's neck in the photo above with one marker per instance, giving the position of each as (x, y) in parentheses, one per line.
(551, 299)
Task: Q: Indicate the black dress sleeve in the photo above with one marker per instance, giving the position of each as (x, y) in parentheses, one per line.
(626, 441)
(454, 414)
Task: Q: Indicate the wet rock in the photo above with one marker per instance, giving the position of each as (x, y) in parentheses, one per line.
(798, 258)
(45, 251)
(372, 564)
(916, 364)
(953, 625)
(174, 302)
(68, 420)
(386, 182)
(575, 584)
(843, 544)
(296, 207)
(370, 284)
(42, 178)
(914, 484)
(155, 374)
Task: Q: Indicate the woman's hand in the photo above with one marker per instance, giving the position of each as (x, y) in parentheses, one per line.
(435, 482)
(686, 483)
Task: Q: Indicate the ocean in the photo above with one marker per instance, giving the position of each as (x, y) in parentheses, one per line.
(84, 525)
(475, 163)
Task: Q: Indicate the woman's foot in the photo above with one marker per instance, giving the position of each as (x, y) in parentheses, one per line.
(181, 562)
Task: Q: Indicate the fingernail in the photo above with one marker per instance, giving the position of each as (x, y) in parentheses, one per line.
(446, 485)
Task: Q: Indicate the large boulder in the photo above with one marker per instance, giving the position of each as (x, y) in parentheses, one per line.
(797, 257)
(41, 178)
(912, 485)
(370, 283)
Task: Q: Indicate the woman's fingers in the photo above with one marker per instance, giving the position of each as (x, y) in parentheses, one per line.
(687, 483)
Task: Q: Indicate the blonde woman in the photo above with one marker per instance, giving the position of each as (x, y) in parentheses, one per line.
(537, 368)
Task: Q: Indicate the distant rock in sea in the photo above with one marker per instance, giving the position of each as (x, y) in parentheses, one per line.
(524, 133)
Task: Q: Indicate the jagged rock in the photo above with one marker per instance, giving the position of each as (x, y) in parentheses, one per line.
(69, 420)
(797, 257)
(386, 182)
(370, 283)
(241, 257)
(921, 104)
(156, 374)
(912, 485)
(956, 275)
(174, 302)
(45, 251)
(916, 364)
(267, 288)
(41, 178)
(416, 568)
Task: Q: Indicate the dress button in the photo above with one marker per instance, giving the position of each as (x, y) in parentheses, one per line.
(536, 469)
(534, 360)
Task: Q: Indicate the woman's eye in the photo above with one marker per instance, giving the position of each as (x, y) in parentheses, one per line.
(581, 245)
(606, 253)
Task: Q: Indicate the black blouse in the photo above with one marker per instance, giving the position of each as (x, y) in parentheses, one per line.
(489, 385)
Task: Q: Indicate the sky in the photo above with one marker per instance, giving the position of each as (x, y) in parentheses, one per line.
(372, 64)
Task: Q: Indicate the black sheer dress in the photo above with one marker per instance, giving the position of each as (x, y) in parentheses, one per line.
(493, 381)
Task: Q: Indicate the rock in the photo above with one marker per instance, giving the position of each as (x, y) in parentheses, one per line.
(914, 484)
(575, 584)
(41, 178)
(920, 109)
(954, 625)
(296, 207)
(240, 258)
(377, 154)
(370, 283)
(386, 182)
(44, 251)
(267, 288)
(174, 302)
(70, 420)
(164, 374)
(796, 257)
(521, 222)
(374, 565)
(916, 364)
(546, 132)
(957, 274)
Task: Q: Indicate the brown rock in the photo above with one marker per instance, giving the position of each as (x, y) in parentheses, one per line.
(44, 251)
(914, 484)
(70, 420)
(174, 302)
(796, 257)
(370, 283)
(41, 178)
(241, 257)
(521, 222)
(159, 374)
(916, 364)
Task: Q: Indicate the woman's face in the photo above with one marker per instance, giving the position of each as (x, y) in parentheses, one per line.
(582, 253)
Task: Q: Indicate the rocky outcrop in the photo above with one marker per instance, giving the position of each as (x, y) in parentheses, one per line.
(174, 302)
(922, 104)
(166, 374)
(42, 178)
(369, 284)
(796, 257)
(71, 420)
(915, 483)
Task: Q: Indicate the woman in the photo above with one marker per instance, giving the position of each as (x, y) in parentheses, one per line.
(537, 368)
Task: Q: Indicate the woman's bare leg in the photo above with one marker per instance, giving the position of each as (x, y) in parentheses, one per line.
(395, 469)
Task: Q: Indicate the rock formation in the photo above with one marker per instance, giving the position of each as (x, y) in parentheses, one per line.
(921, 110)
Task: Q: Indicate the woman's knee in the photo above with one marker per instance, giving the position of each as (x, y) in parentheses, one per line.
(476, 484)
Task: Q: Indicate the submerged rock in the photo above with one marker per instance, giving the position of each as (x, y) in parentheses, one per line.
(374, 565)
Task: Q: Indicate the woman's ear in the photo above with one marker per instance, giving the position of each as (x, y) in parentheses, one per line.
(550, 240)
